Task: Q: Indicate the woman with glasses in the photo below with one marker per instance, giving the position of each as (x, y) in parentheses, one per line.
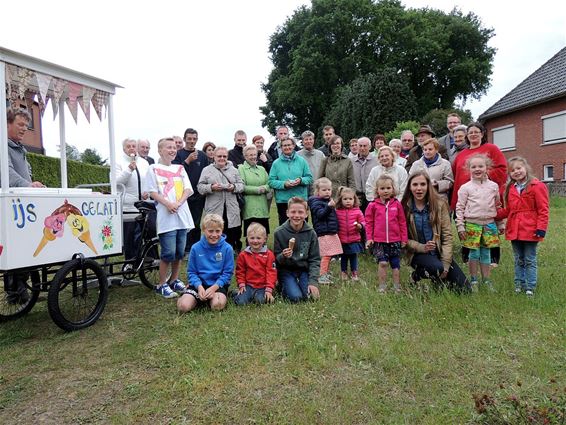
(219, 183)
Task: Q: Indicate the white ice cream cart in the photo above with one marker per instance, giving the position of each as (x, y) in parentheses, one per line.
(57, 240)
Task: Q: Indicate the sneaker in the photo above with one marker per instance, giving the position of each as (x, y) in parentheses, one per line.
(324, 279)
(343, 276)
(474, 284)
(489, 284)
(518, 289)
(355, 276)
(382, 288)
(177, 286)
(165, 291)
(397, 288)
(529, 293)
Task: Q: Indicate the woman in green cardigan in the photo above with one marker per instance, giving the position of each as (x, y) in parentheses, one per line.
(256, 190)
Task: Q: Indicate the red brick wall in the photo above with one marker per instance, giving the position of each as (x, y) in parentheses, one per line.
(528, 137)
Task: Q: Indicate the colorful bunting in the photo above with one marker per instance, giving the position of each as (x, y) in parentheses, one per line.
(74, 92)
(85, 101)
(43, 82)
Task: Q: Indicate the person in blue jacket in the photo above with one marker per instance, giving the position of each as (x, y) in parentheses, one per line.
(210, 268)
(290, 176)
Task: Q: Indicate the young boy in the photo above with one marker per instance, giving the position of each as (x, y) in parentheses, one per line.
(297, 254)
(169, 185)
(255, 269)
(211, 265)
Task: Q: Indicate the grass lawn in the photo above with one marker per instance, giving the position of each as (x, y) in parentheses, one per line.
(354, 357)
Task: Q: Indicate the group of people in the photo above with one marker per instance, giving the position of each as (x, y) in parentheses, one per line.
(393, 199)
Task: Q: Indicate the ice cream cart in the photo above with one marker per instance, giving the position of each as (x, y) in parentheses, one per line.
(56, 239)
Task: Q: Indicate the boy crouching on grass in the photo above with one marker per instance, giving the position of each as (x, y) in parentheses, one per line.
(210, 268)
(169, 185)
(255, 269)
(297, 254)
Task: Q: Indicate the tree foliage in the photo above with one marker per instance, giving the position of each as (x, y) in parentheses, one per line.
(72, 152)
(400, 127)
(91, 156)
(361, 108)
(319, 49)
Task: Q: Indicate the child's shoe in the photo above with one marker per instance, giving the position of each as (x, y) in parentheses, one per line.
(518, 289)
(397, 288)
(474, 284)
(489, 284)
(165, 291)
(324, 279)
(529, 293)
(355, 276)
(178, 286)
(382, 288)
(343, 276)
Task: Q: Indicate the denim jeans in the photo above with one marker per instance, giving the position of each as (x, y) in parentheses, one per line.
(525, 264)
(294, 285)
(173, 245)
(430, 267)
(250, 295)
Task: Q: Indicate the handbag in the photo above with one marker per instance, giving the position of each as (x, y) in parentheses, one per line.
(239, 196)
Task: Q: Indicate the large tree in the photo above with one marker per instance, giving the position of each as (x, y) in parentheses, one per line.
(317, 50)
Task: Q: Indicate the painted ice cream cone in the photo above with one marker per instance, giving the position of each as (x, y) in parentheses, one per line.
(85, 238)
(48, 236)
(291, 243)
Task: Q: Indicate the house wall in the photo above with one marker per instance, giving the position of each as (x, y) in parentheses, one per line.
(529, 136)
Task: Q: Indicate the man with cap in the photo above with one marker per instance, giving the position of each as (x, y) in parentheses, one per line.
(424, 133)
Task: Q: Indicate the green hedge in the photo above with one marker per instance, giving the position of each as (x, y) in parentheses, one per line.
(48, 171)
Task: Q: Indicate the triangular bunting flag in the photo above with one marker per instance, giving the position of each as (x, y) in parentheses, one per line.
(88, 93)
(99, 99)
(58, 89)
(43, 82)
(72, 98)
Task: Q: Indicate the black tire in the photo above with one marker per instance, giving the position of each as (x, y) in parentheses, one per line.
(78, 294)
(17, 302)
(149, 271)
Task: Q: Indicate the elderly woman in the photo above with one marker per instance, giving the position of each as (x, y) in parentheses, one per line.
(255, 180)
(397, 147)
(430, 246)
(438, 169)
(208, 149)
(131, 170)
(460, 142)
(290, 176)
(337, 167)
(219, 183)
(353, 148)
(386, 157)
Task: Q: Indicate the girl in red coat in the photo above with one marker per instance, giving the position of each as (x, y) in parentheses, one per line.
(350, 225)
(386, 231)
(526, 209)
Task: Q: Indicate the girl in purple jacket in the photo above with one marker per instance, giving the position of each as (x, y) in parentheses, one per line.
(386, 231)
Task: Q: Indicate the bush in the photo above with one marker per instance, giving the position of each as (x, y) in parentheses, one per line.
(48, 171)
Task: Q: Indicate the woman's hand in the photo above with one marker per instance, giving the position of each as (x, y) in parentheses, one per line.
(430, 246)
(444, 274)
(230, 188)
(216, 187)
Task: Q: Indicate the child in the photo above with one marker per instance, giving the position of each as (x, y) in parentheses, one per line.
(526, 206)
(350, 223)
(386, 231)
(476, 210)
(255, 269)
(169, 185)
(325, 224)
(296, 253)
(210, 268)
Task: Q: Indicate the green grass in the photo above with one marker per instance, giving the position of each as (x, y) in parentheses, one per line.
(354, 357)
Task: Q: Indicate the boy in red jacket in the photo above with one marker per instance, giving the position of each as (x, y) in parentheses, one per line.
(255, 269)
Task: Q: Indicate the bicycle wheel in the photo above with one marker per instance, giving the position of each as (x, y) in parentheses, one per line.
(78, 294)
(149, 271)
(17, 299)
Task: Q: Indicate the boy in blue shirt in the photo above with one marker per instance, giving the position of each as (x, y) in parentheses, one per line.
(210, 268)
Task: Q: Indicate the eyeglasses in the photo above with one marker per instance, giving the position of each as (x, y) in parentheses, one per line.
(474, 132)
(221, 156)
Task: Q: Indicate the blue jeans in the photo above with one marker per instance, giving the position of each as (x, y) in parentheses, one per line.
(525, 264)
(430, 267)
(173, 245)
(294, 285)
(252, 294)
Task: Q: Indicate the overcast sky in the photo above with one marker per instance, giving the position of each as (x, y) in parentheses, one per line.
(200, 64)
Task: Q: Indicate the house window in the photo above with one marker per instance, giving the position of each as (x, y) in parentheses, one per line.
(504, 137)
(548, 172)
(554, 127)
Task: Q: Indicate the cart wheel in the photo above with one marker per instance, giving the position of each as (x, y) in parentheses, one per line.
(149, 271)
(17, 300)
(78, 294)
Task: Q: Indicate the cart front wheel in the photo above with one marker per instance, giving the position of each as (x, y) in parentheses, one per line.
(78, 294)
(149, 271)
(17, 295)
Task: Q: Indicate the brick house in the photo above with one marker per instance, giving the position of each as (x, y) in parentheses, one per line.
(530, 120)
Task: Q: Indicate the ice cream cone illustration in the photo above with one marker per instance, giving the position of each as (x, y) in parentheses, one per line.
(48, 236)
(80, 228)
(291, 243)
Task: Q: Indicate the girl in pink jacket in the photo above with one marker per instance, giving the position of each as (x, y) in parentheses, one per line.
(386, 231)
(351, 223)
(526, 209)
(476, 210)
